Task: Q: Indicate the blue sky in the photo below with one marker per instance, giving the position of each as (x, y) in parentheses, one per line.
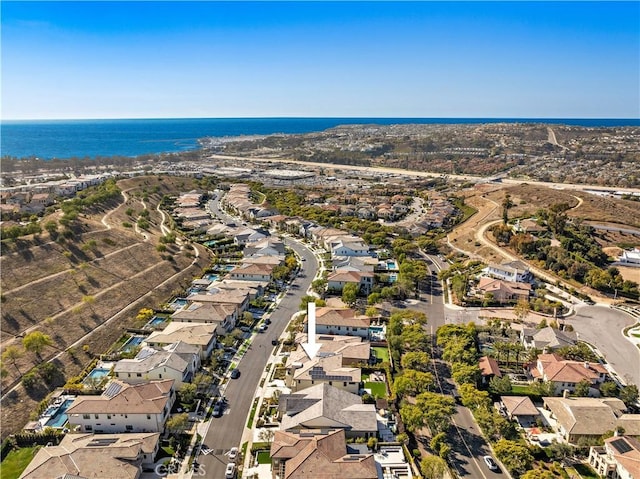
(372, 59)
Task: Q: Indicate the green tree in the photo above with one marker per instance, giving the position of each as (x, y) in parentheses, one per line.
(412, 383)
(418, 360)
(521, 309)
(371, 311)
(582, 388)
(11, 354)
(433, 467)
(629, 394)
(412, 417)
(349, 293)
(500, 385)
(36, 341)
(177, 423)
(465, 373)
(515, 456)
(29, 380)
(438, 410)
(538, 473)
(609, 389)
(187, 392)
(473, 398)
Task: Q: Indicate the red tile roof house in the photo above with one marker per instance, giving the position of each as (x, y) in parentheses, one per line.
(252, 272)
(342, 321)
(337, 280)
(565, 374)
(318, 455)
(124, 408)
(488, 369)
(504, 291)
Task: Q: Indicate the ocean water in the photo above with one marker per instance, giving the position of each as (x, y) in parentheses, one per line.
(92, 138)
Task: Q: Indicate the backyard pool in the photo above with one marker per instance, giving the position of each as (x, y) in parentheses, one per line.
(132, 342)
(177, 303)
(156, 321)
(211, 277)
(391, 265)
(393, 277)
(59, 418)
(377, 333)
(95, 376)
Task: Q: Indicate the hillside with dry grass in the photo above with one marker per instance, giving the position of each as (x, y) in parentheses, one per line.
(84, 288)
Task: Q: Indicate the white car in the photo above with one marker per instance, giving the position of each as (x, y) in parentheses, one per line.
(230, 471)
(491, 464)
(233, 454)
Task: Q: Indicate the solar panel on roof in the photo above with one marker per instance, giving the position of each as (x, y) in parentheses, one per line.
(621, 446)
(112, 390)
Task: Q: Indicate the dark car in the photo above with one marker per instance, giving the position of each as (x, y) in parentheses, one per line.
(267, 321)
(235, 374)
(218, 409)
(274, 342)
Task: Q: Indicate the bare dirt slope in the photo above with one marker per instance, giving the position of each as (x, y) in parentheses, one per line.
(102, 275)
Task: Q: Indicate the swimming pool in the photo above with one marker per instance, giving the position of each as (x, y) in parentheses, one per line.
(156, 320)
(393, 277)
(132, 342)
(392, 265)
(178, 303)
(59, 419)
(95, 376)
(211, 277)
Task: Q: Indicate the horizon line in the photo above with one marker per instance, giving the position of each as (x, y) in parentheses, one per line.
(329, 117)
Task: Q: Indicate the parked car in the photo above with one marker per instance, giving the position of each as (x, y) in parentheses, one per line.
(233, 454)
(262, 328)
(274, 342)
(218, 409)
(235, 374)
(230, 471)
(491, 464)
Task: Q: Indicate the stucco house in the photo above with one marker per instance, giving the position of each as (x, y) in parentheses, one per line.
(339, 278)
(515, 271)
(201, 335)
(590, 418)
(326, 407)
(618, 458)
(345, 322)
(565, 374)
(124, 408)
(178, 361)
(301, 456)
(104, 456)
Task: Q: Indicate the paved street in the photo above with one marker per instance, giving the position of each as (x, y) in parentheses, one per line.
(601, 326)
(226, 432)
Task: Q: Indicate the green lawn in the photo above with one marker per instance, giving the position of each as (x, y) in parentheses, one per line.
(523, 389)
(378, 389)
(16, 462)
(381, 353)
(585, 471)
(264, 457)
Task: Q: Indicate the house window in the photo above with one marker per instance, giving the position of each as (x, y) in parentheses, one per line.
(345, 383)
(87, 428)
(160, 376)
(139, 375)
(86, 416)
(129, 375)
(108, 416)
(97, 416)
(148, 416)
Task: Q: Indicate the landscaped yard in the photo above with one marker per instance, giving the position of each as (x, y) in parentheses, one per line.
(16, 462)
(378, 389)
(264, 457)
(585, 471)
(522, 389)
(381, 353)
